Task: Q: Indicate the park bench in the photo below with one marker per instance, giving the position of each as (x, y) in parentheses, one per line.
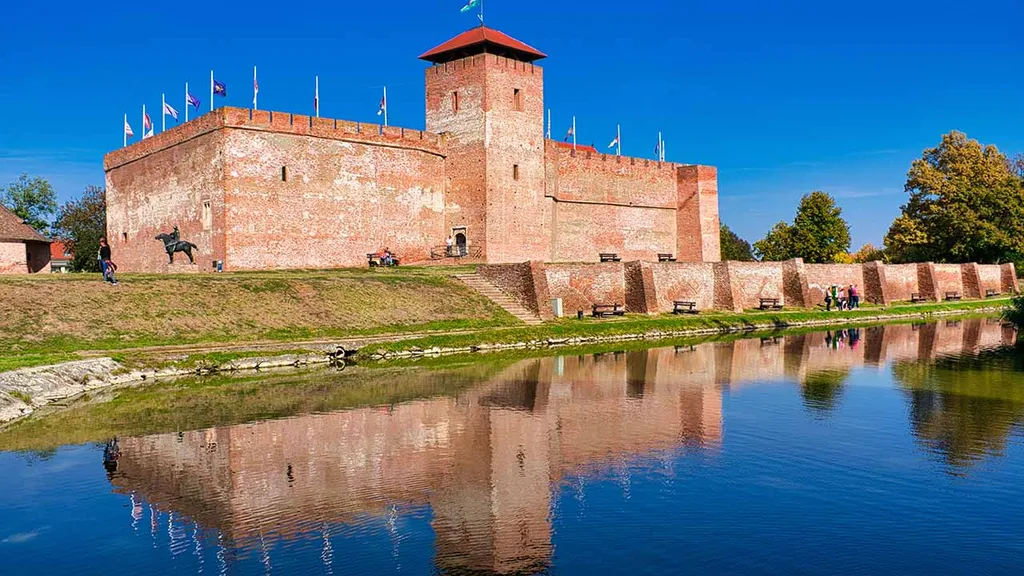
(603, 310)
(684, 307)
(990, 293)
(375, 261)
(609, 257)
(770, 304)
(666, 258)
(952, 295)
(915, 297)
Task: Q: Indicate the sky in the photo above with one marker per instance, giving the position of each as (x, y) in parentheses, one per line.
(784, 98)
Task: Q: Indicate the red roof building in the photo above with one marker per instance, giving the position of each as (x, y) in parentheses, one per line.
(482, 40)
(22, 249)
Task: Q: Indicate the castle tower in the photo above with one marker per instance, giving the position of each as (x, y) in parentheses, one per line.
(486, 96)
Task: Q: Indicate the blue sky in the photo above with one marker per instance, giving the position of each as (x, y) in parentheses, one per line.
(784, 98)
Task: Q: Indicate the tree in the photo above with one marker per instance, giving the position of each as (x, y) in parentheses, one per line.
(966, 204)
(867, 253)
(80, 224)
(734, 247)
(32, 200)
(819, 234)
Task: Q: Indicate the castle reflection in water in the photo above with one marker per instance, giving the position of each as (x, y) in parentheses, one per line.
(486, 461)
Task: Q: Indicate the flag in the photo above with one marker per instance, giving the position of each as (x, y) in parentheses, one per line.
(255, 88)
(147, 124)
(613, 142)
(470, 5)
(148, 134)
(219, 88)
(383, 105)
(657, 148)
(192, 100)
(570, 133)
(169, 110)
(128, 129)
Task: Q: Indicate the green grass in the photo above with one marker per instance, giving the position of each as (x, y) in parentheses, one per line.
(18, 394)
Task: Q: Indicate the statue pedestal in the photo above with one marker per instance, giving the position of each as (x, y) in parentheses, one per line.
(182, 267)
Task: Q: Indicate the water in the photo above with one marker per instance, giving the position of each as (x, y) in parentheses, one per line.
(894, 449)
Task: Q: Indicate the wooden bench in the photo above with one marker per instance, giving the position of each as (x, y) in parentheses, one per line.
(990, 293)
(770, 304)
(684, 307)
(952, 295)
(375, 260)
(609, 257)
(915, 297)
(603, 310)
(666, 258)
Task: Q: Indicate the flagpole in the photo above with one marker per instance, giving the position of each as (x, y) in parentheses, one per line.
(124, 131)
(211, 90)
(255, 89)
(573, 133)
(660, 158)
(549, 123)
(163, 112)
(618, 141)
(186, 101)
(143, 121)
(385, 105)
(316, 97)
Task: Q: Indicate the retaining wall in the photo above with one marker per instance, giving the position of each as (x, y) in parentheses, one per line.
(653, 287)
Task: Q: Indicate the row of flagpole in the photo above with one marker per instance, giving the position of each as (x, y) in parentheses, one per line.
(218, 88)
(659, 147)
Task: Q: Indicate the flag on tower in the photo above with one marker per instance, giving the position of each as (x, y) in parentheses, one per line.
(192, 100)
(147, 124)
(255, 88)
(657, 149)
(316, 96)
(219, 88)
(383, 105)
(613, 142)
(470, 5)
(127, 129)
(570, 133)
(170, 111)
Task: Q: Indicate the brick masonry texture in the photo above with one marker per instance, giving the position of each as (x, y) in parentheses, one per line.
(24, 257)
(653, 287)
(264, 190)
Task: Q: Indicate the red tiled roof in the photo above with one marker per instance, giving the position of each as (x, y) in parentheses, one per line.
(481, 39)
(12, 228)
(57, 251)
(579, 147)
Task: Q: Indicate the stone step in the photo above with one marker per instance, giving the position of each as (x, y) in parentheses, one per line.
(484, 287)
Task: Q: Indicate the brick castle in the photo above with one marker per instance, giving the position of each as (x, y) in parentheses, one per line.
(255, 189)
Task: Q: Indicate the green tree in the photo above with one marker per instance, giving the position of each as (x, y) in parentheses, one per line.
(819, 234)
(966, 204)
(734, 247)
(80, 224)
(868, 253)
(32, 200)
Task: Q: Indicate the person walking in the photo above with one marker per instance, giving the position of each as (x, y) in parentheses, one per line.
(828, 300)
(448, 245)
(854, 297)
(107, 265)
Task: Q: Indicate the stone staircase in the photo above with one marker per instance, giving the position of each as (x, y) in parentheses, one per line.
(486, 288)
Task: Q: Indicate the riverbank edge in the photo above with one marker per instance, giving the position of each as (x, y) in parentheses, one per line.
(25, 390)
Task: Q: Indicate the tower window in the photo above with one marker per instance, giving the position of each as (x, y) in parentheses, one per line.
(124, 236)
(455, 101)
(284, 173)
(207, 216)
(517, 101)
(515, 171)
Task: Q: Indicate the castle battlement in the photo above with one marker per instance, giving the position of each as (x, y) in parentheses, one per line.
(280, 123)
(478, 60)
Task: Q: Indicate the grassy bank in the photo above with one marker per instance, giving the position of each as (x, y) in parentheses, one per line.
(49, 318)
(705, 322)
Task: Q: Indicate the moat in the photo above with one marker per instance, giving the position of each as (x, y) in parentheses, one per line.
(884, 449)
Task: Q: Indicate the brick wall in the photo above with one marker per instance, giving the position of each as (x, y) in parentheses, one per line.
(947, 278)
(821, 276)
(752, 281)
(38, 257)
(583, 285)
(159, 185)
(582, 231)
(12, 258)
(673, 281)
(697, 218)
(900, 281)
(337, 201)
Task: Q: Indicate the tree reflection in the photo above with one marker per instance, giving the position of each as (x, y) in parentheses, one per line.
(822, 390)
(964, 408)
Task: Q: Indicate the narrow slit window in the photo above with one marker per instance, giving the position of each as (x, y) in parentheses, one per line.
(517, 101)
(515, 171)
(455, 101)
(284, 173)
(124, 236)
(207, 216)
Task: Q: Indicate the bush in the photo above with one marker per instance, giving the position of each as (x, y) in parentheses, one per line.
(1015, 313)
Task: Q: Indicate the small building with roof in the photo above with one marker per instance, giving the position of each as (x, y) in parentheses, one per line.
(22, 249)
(259, 189)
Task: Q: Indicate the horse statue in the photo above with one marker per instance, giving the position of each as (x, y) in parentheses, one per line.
(173, 243)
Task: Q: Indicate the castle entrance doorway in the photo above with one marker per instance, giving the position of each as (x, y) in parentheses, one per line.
(460, 240)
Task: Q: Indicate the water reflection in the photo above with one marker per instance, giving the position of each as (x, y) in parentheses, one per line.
(483, 464)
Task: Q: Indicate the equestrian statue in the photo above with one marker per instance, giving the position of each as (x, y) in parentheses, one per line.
(173, 243)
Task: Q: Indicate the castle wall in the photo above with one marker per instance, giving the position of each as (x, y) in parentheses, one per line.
(697, 225)
(580, 286)
(582, 231)
(900, 281)
(821, 276)
(947, 278)
(694, 282)
(751, 281)
(172, 179)
(338, 201)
